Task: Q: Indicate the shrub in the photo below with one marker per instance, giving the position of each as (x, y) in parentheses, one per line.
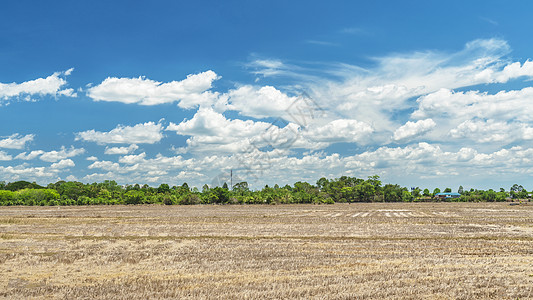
(188, 199)
(6, 197)
(134, 197)
(34, 196)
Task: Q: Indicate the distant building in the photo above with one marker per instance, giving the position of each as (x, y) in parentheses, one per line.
(447, 195)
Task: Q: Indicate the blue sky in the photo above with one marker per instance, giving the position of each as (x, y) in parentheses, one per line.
(421, 93)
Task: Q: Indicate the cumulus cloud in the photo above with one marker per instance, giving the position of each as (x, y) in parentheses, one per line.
(29, 156)
(382, 91)
(24, 172)
(341, 130)
(52, 86)
(413, 129)
(490, 131)
(504, 105)
(144, 133)
(260, 102)
(72, 178)
(4, 156)
(132, 159)
(105, 165)
(121, 150)
(190, 92)
(430, 160)
(482, 131)
(480, 117)
(211, 131)
(16, 141)
(54, 156)
(62, 164)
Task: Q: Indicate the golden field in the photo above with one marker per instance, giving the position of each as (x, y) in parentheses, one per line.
(341, 251)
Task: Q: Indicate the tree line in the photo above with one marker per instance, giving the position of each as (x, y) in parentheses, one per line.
(326, 191)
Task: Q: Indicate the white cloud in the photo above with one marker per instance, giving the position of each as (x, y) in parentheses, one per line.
(132, 159)
(413, 129)
(394, 164)
(429, 160)
(373, 94)
(491, 131)
(189, 92)
(64, 163)
(28, 173)
(268, 67)
(121, 150)
(510, 71)
(54, 156)
(504, 105)
(32, 155)
(51, 85)
(71, 178)
(341, 130)
(491, 119)
(101, 177)
(16, 141)
(92, 158)
(4, 156)
(210, 131)
(105, 165)
(260, 102)
(482, 131)
(381, 92)
(144, 133)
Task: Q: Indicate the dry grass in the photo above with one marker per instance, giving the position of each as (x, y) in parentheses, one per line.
(342, 251)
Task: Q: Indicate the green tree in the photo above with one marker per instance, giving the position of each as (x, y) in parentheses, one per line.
(163, 189)
(406, 196)
(501, 196)
(447, 190)
(416, 193)
(20, 185)
(70, 190)
(241, 188)
(436, 191)
(523, 194)
(489, 195)
(322, 183)
(219, 195)
(392, 193)
(366, 191)
(426, 193)
(134, 197)
(460, 190)
(375, 182)
(516, 190)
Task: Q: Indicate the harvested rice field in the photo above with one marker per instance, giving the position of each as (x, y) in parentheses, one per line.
(341, 251)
